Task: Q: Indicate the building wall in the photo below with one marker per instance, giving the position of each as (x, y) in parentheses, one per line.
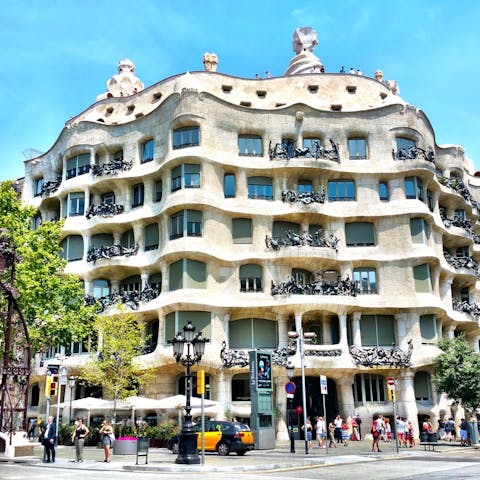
(371, 113)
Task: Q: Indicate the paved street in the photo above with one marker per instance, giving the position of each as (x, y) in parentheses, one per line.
(345, 463)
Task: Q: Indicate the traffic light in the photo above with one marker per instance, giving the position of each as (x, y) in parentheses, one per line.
(48, 384)
(53, 387)
(201, 382)
(391, 395)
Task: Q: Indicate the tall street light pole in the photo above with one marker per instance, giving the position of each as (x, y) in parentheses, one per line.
(71, 385)
(187, 445)
(302, 337)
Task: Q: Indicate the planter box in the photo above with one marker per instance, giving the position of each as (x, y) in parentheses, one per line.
(125, 447)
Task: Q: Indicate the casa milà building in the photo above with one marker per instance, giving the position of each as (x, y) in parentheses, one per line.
(257, 207)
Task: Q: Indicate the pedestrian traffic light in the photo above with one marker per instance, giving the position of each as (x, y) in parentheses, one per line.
(201, 382)
(53, 388)
(48, 384)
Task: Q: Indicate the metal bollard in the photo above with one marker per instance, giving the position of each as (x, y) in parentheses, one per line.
(292, 441)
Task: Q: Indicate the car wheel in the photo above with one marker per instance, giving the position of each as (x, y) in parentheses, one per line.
(223, 449)
(241, 452)
(175, 448)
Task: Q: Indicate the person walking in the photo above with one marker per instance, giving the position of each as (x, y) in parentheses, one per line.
(49, 440)
(308, 428)
(338, 429)
(321, 431)
(464, 433)
(375, 434)
(331, 435)
(358, 419)
(78, 438)
(107, 435)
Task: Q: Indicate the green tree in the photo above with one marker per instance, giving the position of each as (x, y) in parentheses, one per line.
(51, 301)
(121, 339)
(457, 371)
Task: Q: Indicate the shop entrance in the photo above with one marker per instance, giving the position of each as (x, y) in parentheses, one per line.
(314, 402)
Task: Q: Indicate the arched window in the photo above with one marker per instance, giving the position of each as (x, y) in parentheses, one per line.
(101, 288)
(241, 388)
(147, 151)
(422, 387)
(72, 248)
(369, 388)
(251, 278)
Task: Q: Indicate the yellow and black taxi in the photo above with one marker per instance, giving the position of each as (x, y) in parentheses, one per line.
(222, 437)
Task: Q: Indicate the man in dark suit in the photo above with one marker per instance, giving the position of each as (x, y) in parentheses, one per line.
(49, 440)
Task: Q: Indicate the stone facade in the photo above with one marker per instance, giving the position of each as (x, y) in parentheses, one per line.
(200, 163)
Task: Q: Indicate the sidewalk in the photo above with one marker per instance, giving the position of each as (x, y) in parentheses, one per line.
(161, 459)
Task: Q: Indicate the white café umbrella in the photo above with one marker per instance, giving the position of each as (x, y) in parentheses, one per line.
(88, 404)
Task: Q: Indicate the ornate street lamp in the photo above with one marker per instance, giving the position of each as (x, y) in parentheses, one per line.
(187, 445)
(71, 385)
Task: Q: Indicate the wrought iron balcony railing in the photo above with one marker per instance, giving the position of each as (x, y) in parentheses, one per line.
(104, 210)
(109, 251)
(292, 239)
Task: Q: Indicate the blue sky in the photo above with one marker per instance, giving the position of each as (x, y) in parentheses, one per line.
(56, 56)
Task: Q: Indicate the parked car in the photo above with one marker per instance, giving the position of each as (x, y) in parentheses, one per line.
(222, 437)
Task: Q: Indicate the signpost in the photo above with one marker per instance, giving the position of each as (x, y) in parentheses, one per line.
(324, 392)
(391, 397)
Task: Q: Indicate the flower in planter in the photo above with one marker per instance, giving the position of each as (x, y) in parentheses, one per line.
(126, 438)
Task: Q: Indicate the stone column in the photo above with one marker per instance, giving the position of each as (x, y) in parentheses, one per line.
(401, 330)
(87, 200)
(357, 334)
(223, 387)
(346, 399)
(86, 245)
(406, 403)
(161, 328)
(342, 319)
(327, 330)
(282, 321)
(281, 404)
(144, 277)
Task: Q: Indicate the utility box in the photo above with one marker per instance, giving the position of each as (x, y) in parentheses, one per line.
(473, 432)
(262, 421)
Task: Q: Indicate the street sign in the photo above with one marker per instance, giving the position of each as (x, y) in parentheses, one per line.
(323, 385)
(390, 381)
(63, 376)
(290, 388)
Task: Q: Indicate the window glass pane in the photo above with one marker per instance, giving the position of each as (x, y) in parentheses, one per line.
(264, 333)
(229, 185)
(101, 288)
(240, 333)
(196, 274)
(192, 175)
(75, 247)
(194, 223)
(341, 190)
(260, 188)
(385, 330)
(170, 326)
(365, 279)
(383, 191)
(158, 191)
(421, 275)
(357, 148)
(148, 151)
(151, 236)
(251, 277)
(176, 225)
(242, 230)
(138, 195)
(186, 137)
(101, 239)
(428, 327)
(410, 187)
(405, 143)
(127, 239)
(417, 230)
(279, 228)
(176, 178)
(250, 145)
(76, 204)
(368, 329)
(359, 234)
(422, 386)
(305, 186)
(313, 144)
(241, 387)
(131, 284)
(175, 276)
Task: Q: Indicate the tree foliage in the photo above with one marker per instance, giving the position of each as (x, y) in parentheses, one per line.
(457, 371)
(51, 301)
(121, 338)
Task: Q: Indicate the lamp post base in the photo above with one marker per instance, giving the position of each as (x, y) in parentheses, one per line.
(187, 449)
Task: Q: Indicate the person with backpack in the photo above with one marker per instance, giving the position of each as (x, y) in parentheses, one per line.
(375, 434)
